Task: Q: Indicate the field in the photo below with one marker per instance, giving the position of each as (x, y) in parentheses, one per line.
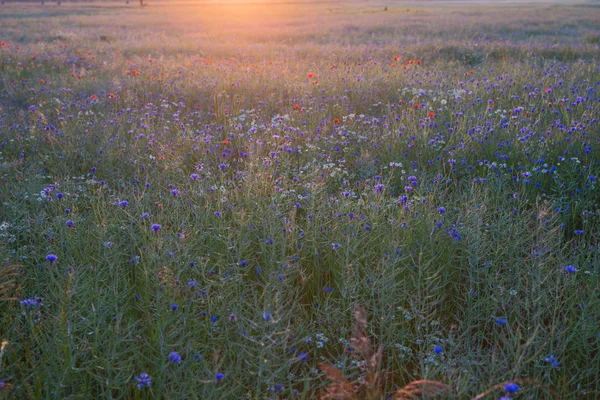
(298, 200)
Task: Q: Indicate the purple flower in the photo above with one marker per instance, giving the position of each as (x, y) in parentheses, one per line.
(303, 357)
(156, 227)
(174, 357)
(438, 349)
(232, 317)
(51, 258)
(219, 376)
(500, 321)
(124, 203)
(69, 223)
(511, 387)
(442, 210)
(174, 307)
(194, 176)
(143, 380)
(174, 192)
(570, 269)
(335, 246)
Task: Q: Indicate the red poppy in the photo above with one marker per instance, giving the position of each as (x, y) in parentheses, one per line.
(418, 62)
(42, 81)
(416, 106)
(225, 141)
(3, 44)
(134, 72)
(93, 97)
(336, 121)
(310, 75)
(297, 107)
(431, 114)
(111, 96)
(547, 90)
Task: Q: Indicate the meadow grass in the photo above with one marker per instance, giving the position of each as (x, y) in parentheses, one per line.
(311, 199)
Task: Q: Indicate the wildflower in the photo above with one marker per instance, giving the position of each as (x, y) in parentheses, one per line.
(111, 96)
(232, 318)
(174, 307)
(2, 383)
(266, 316)
(570, 269)
(336, 121)
(124, 203)
(578, 232)
(219, 376)
(67, 210)
(69, 223)
(134, 72)
(156, 227)
(552, 360)
(143, 380)
(174, 357)
(335, 246)
(511, 387)
(174, 192)
(59, 196)
(438, 349)
(194, 176)
(303, 357)
(500, 321)
(243, 263)
(430, 115)
(328, 289)
(51, 258)
(442, 210)
(192, 284)
(217, 214)
(310, 75)
(214, 319)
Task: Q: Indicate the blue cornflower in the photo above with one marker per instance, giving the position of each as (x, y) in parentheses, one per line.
(59, 196)
(232, 317)
(217, 214)
(243, 263)
(368, 228)
(174, 307)
(124, 203)
(335, 246)
(156, 227)
(69, 223)
(328, 289)
(511, 387)
(51, 258)
(269, 241)
(143, 380)
(578, 232)
(219, 376)
(500, 321)
(174, 357)
(2, 384)
(194, 176)
(552, 360)
(351, 215)
(214, 319)
(570, 269)
(438, 349)
(266, 316)
(192, 284)
(67, 210)
(442, 210)
(303, 357)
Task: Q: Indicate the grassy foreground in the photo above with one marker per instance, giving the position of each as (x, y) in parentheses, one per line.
(298, 200)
